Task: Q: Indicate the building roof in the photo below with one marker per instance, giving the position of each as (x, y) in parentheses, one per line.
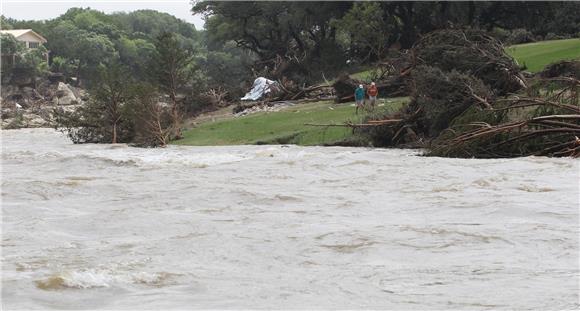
(19, 32)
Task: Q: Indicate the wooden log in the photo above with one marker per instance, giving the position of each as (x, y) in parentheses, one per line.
(386, 121)
(346, 124)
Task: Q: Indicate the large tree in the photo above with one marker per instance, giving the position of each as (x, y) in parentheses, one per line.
(172, 70)
(113, 95)
(367, 29)
(286, 36)
(86, 49)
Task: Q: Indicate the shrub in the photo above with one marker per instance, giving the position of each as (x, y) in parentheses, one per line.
(553, 36)
(520, 35)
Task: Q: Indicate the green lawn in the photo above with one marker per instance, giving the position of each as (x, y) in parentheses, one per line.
(539, 54)
(283, 127)
(363, 75)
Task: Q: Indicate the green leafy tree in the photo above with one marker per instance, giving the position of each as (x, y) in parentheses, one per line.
(5, 23)
(113, 94)
(288, 38)
(26, 64)
(88, 50)
(172, 71)
(367, 28)
(61, 65)
(107, 117)
(9, 45)
(35, 59)
(135, 53)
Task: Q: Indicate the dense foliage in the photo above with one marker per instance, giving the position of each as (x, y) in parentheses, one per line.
(301, 41)
(307, 39)
(82, 39)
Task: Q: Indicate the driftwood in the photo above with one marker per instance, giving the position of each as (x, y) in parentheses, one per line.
(288, 90)
(354, 125)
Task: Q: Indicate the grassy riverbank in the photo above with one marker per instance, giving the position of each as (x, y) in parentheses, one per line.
(539, 54)
(287, 126)
(282, 127)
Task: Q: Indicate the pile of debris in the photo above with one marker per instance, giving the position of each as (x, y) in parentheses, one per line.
(469, 99)
(268, 96)
(546, 123)
(269, 90)
(566, 68)
(264, 106)
(471, 52)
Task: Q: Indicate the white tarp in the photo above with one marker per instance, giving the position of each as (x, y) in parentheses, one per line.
(261, 87)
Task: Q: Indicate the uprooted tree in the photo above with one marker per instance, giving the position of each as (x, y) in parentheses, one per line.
(469, 99)
(546, 122)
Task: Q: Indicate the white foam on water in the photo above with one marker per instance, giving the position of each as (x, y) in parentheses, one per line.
(94, 278)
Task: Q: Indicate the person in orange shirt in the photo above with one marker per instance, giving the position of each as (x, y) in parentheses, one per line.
(372, 91)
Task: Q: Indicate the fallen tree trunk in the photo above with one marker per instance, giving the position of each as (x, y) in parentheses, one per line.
(353, 125)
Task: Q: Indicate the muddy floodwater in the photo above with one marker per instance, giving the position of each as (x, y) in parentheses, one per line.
(254, 227)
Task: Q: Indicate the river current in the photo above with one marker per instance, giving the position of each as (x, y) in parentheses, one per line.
(286, 227)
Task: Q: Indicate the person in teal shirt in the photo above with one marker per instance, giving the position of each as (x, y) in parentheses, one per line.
(359, 97)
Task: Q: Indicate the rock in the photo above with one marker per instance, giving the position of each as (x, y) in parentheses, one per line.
(26, 106)
(33, 120)
(65, 95)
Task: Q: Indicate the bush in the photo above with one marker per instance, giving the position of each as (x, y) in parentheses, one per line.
(553, 36)
(520, 35)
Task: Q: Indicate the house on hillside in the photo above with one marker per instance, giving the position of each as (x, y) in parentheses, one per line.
(31, 39)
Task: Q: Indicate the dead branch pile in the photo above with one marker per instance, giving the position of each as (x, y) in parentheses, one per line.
(469, 99)
(547, 124)
(471, 52)
(448, 73)
(320, 91)
(215, 97)
(566, 68)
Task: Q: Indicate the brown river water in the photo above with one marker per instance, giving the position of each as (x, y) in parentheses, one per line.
(284, 227)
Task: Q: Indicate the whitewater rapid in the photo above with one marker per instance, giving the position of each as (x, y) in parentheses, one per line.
(285, 227)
